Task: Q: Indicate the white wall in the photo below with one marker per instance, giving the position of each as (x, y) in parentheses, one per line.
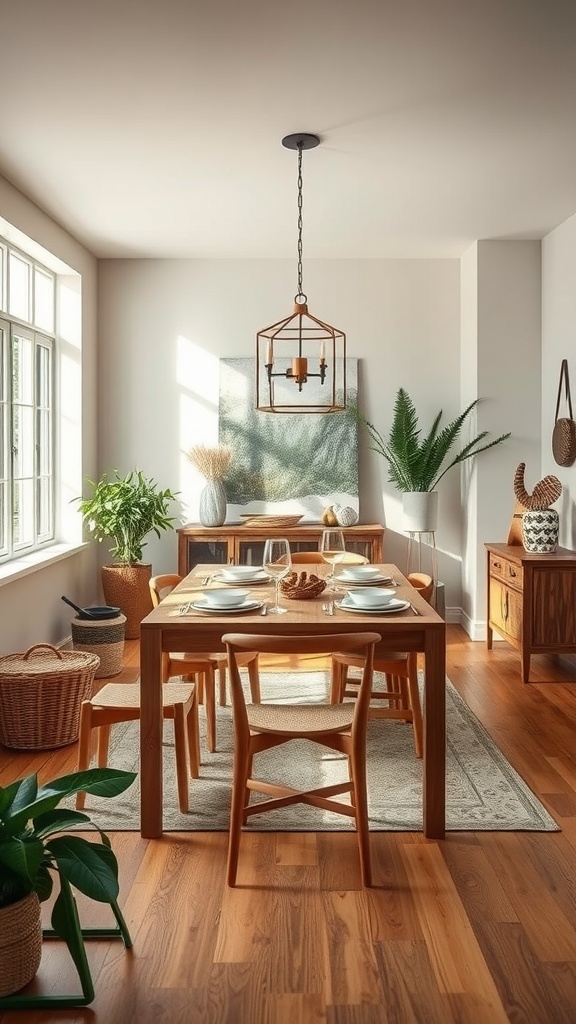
(501, 364)
(558, 343)
(30, 607)
(164, 324)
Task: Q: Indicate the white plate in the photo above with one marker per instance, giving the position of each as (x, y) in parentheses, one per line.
(259, 577)
(363, 583)
(248, 605)
(394, 605)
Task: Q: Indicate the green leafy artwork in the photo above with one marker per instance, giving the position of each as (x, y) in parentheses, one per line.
(286, 457)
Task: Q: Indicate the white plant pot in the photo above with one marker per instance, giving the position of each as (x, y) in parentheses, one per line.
(420, 511)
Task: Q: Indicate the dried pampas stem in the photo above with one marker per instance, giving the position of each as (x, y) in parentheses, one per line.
(211, 462)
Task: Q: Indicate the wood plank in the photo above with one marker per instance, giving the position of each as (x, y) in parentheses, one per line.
(456, 958)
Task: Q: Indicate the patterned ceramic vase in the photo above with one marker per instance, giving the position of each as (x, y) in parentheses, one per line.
(540, 529)
(213, 504)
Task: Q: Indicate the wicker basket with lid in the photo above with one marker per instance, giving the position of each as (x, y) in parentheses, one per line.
(40, 696)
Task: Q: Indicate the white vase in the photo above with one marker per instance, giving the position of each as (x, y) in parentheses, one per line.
(213, 504)
(420, 511)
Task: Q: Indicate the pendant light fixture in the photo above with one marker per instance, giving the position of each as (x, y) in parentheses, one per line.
(300, 360)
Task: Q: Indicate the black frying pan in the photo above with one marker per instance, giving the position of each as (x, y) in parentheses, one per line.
(103, 611)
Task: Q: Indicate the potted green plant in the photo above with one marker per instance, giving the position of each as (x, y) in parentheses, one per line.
(34, 851)
(125, 510)
(416, 466)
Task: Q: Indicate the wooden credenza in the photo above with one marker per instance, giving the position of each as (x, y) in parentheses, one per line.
(242, 545)
(532, 601)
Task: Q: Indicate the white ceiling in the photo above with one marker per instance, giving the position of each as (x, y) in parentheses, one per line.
(152, 128)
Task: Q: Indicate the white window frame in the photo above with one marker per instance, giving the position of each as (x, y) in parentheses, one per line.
(38, 457)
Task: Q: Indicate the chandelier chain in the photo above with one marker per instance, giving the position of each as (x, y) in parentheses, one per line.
(300, 292)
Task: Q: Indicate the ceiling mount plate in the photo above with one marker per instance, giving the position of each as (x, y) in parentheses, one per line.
(301, 140)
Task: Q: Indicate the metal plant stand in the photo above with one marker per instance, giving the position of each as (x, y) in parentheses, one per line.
(78, 954)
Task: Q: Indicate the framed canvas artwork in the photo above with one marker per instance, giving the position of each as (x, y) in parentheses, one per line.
(289, 463)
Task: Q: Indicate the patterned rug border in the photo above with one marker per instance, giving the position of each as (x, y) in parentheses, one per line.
(484, 791)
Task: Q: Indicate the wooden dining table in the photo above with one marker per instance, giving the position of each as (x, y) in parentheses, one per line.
(418, 628)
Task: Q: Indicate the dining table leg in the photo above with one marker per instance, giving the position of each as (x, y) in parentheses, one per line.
(151, 722)
(434, 797)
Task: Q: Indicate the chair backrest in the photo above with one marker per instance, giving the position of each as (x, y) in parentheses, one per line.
(160, 586)
(423, 583)
(350, 557)
(361, 644)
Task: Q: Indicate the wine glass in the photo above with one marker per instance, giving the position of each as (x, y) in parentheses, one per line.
(277, 562)
(333, 551)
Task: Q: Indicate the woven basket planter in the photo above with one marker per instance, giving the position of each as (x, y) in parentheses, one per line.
(104, 637)
(40, 696)
(126, 587)
(20, 943)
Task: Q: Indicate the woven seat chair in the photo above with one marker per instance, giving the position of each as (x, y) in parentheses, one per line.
(203, 665)
(400, 691)
(120, 702)
(258, 727)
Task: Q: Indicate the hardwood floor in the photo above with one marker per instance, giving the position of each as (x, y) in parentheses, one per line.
(478, 929)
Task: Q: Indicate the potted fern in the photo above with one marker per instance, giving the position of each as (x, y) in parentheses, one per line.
(34, 852)
(125, 510)
(417, 465)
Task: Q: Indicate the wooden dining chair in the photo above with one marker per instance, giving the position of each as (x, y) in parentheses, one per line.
(259, 727)
(399, 694)
(399, 697)
(423, 583)
(203, 666)
(120, 702)
(350, 558)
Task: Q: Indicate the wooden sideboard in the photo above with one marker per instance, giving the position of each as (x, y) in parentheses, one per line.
(242, 545)
(532, 601)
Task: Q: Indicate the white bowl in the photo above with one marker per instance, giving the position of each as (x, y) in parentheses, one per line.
(375, 597)
(240, 572)
(360, 572)
(225, 598)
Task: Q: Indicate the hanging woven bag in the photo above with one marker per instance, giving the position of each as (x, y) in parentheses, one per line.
(564, 433)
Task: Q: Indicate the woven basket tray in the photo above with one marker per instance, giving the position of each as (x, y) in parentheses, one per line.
(40, 696)
(302, 585)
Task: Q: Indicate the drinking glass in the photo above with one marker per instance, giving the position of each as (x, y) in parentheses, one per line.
(333, 551)
(277, 562)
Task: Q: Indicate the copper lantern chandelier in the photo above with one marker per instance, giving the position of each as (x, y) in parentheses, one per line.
(300, 360)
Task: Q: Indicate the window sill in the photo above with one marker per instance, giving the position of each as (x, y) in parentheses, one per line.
(19, 567)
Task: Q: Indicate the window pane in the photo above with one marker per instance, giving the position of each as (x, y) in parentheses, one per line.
(44, 444)
(23, 513)
(23, 441)
(2, 271)
(43, 300)
(18, 286)
(44, 381)
(22, 382)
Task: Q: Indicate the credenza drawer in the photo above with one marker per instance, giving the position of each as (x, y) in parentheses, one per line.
(507, 571)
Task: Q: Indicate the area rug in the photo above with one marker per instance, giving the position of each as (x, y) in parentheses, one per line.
(483, 791)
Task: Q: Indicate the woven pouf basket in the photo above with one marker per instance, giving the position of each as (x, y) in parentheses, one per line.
(20, 943)
(40, 696)
(104, 637)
